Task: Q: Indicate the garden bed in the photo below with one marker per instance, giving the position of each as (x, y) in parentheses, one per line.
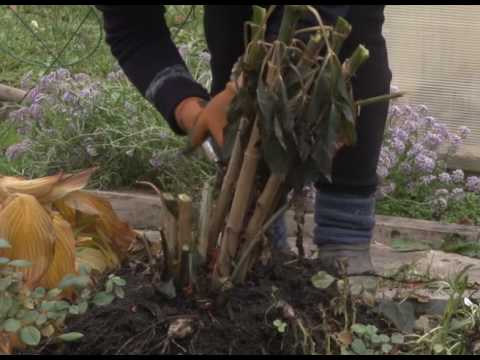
(139, 324)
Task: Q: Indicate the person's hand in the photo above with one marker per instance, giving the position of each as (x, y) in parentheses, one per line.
(200, 119)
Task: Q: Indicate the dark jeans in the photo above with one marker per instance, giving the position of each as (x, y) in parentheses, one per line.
(354, 168)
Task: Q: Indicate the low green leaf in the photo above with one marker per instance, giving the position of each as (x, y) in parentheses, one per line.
(53, 293)
(20, 263)
(119, 292)
(39, 293)
(322, 280)
(103, 298)
(109, 286)
(82, 307)
(71, 336)
(5, 283)
(12, 325)
(74, 310)
(4, 244)
(358, 346)
(386, 348)
(398, 339)
(30, 335)
(42, 319)
(119, 281)
(61, 305)
(30, 317)
(359, 329)
(280, 325)
(438, 348)
(6, 302)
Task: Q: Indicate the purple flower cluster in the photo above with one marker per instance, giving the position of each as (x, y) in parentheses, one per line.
(15, 151)
(411, 155)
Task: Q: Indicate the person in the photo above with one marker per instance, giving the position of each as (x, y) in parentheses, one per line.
(344, 209)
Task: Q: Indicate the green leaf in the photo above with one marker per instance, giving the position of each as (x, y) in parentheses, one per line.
(69, 280)
(20, 263)
(109, 286)
(42, 319)
(61, 305)
(371, 330)
(119, 281)
(31, 316)
(74, 310)
(53, 293)
(12, 325)
(359, 329)
(322, 280)
(39, 293)
(5, 283)
(47, 306)
(386, 348)
(438, 348)
(402, 315)
(103, 298)
(398, 339)
(30, 335)
(4, 260)
(6, 304)
(358, 346)
(384, 338)
(119, 292)
(280, 325)
(71, 336)
(4, 244)
(82, 307)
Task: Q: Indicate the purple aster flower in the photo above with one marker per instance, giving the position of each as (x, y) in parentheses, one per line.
(445, 178)
(425, 163)
(427, 180)
(458, 176)
(473, 184)
(15, 151)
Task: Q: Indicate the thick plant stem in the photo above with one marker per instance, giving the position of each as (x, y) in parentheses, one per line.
(291, 16)
(204, 216)
(262, 210)
(184, 237)
(227, 190)
(246, 179)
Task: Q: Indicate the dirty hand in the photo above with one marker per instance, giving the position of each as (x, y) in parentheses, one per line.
(199, 119)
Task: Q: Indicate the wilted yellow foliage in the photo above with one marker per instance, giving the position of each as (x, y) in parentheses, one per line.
(63, 262)
(29, 229)
(57, 227)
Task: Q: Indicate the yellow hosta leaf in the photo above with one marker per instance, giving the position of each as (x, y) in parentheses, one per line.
(45, 189)
(63, 262)
(92, 258)
(108, 224)
(29, 229)
(69, 183)
(38, 188)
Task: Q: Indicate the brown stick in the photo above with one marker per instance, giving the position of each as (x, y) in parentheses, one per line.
(263, 209)
(168, 220)
(231, 236)
(228, 187)
(204, 222)
(8, 93)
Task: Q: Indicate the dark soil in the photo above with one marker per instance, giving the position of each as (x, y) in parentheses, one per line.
(138, 324)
